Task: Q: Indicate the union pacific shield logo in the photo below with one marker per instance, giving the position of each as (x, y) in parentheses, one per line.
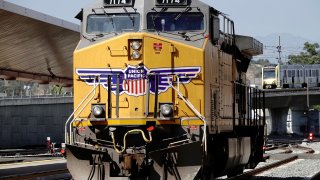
(133, 80)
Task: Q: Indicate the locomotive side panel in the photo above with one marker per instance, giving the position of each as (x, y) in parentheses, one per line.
(212, 87)
(227, 93)
(220, 72)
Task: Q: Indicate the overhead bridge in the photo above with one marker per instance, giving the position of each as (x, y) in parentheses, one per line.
(290, 110)
(35, 46)
(282, 98)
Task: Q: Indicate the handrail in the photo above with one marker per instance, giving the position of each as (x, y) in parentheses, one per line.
(80, 104)
(197, 113)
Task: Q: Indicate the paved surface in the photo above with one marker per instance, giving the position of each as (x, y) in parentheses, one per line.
(32, 167)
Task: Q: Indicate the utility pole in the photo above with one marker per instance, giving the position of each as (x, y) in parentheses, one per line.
(279, 62)
(279, 51)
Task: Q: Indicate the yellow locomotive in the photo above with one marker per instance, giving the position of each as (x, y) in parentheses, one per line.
(160, 93)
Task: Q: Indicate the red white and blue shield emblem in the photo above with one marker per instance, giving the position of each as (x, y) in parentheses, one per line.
(133, 79)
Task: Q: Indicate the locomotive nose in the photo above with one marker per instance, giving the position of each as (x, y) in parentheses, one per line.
(158, 53)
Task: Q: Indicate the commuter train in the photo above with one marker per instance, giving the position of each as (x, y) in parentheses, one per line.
(160, 93)
(269, 77)
(291, 76)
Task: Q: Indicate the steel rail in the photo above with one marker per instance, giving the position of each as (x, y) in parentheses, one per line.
(22, 152)
(289, 145)
(35, 175)
(254, 172)
(307, 149)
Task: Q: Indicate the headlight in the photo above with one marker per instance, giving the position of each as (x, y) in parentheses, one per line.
(135, 54)
(166, 109)
(135, 45)
(97, 110)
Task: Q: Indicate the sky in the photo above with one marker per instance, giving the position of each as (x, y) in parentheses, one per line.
(261, 18)
(251, 17)
(297, 21)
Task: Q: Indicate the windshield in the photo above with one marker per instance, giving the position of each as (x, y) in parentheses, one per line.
(269, 74)
(102, 23)
(175, 21)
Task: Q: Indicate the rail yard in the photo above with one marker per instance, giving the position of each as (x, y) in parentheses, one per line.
(285, 158)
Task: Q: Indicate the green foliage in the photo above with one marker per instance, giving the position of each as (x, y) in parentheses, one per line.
(310, 56)
(316, 107)
(56, 90)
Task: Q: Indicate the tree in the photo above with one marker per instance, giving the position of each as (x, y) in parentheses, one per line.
(56, 90)
(310, 56)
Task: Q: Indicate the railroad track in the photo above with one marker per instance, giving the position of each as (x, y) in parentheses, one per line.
(300, 153)
(63, 172)
(306, 149)
(256, 171)
(289, 148)
(22, 152)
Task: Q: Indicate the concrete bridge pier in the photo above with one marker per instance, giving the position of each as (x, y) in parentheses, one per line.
(280, 121)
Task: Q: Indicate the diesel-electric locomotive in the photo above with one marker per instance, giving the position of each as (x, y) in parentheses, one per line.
(160, 93)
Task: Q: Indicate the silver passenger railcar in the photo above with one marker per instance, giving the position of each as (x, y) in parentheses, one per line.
(299, 76)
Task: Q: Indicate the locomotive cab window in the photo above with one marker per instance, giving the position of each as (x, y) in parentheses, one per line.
(175, 21)
(269, 74)
(101, 23)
